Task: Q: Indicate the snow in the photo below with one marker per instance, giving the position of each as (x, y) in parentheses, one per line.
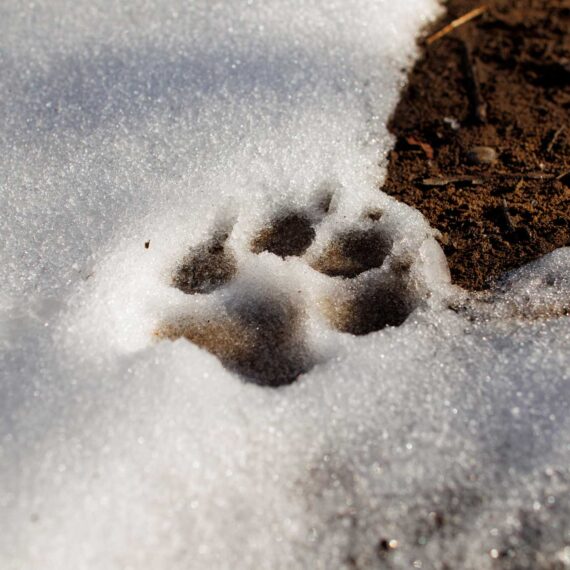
(138, 135)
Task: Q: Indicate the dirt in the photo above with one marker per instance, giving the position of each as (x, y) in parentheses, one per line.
(483, 136)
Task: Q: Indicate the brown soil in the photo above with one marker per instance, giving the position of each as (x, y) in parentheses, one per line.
(501, 81)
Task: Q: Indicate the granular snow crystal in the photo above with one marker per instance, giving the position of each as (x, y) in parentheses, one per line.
(221, 346)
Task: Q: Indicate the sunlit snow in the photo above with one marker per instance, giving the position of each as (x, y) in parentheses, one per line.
(209, 170)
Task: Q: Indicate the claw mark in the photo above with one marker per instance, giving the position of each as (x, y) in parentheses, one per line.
(325, 202)
(206, 267)
(322, 203)
(286, 236)
(353, 253)
(257, 338)
(373, 215)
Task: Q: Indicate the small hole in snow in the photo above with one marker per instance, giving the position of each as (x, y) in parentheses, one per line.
(373, 215)
(286, 236)
(550, 280)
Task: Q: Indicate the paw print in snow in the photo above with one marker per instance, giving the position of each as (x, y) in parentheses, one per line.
(260, 300)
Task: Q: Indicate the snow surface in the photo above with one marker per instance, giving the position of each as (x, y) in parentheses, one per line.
(440, 443)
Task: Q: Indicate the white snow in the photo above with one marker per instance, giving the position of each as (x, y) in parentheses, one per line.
(440, 443)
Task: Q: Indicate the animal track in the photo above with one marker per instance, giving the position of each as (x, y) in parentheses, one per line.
(206, 267)
(258, 327)
(259, 338)
(353, 252)
(287, 235)
(373, 305)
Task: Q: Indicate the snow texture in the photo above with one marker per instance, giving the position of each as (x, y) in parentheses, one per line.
(220, 345)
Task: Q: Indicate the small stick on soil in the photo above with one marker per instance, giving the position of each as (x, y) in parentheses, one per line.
(554, 138)
(457, 23)
(444, 181)
(478, 105)
(526, 175)
(506, 216)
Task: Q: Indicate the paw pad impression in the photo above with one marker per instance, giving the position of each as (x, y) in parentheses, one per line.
(288, 235)
(206, 267)
(256, 337)
(259, 332)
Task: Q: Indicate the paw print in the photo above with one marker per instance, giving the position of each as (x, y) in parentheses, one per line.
(252, 302)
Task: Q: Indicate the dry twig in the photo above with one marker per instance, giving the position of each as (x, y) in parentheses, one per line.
(476, 101)
(457, 23)
(555, 138)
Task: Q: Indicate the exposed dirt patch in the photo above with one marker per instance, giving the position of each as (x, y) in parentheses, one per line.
(501, 82)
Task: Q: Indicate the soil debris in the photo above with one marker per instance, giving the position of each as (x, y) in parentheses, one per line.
(490, 101)
(457, 23)
(482, 155)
